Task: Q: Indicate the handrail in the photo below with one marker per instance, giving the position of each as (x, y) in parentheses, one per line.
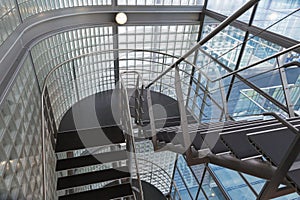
(259, 62)
(165, 172)
(139, 95)
(130, 136)
(48, 76)
(219, 28)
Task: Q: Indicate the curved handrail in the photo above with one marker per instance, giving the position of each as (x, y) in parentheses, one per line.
(166, 173)
(47, 77)
(131, 136)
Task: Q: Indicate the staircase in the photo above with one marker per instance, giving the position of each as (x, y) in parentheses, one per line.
(245, 140)
(84, 171)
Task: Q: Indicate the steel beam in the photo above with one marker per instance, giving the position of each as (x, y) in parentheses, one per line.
(18, 11)
(116, 53)
(264, 34)
(34, 70)
(75, 80)
(219, 28)
(248, 184)
(244, 44)
(252, 167)
(283, 191)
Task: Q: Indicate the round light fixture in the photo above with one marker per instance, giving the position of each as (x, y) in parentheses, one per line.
(121, 18)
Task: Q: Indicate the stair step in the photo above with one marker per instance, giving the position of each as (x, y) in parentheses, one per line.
(73, 140)
(274, 144)
(106, 193)
(92, 177)
(87, 160)
(239, 145)
(238, 142)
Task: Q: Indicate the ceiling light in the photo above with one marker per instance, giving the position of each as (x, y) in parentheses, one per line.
(121, 18)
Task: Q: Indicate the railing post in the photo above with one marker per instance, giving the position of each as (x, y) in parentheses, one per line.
(285, 88)
(182, 110)
(130, 142)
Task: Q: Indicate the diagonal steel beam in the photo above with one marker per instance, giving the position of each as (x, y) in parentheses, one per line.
(244, 44)
(219, 28)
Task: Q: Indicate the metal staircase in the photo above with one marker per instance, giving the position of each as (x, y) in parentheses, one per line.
(263, 148)
(113, 170)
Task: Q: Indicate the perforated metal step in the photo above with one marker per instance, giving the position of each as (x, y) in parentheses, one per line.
(274, 144)
(106, 193)
(73, 140)
(92, 177)
(88, 160)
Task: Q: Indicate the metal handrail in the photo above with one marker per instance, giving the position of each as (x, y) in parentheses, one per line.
(259, 62)
(130, 137)
(165, 173)
(139, 94)
(214, 32)
(46, 80)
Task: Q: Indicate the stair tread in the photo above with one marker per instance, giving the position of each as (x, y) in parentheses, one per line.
(238, 141)
(105, 193)
(239, 145)
(214, 143)
(274, 144)
(92, 177)
(87, 160)
(73, 140)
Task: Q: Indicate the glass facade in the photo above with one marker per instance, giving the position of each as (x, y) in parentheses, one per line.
(21, 166)
(93, 73)
(231, 49)
(9, 19)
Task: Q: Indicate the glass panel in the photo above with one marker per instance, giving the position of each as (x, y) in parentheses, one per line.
(201, 196)
(227, 7)
(258, 49)
(188, 176)
(226, 45)
(9, 19)
(171, 39)
(181, 187)
(210, 188)
(233, 183)
(255, 182)
(33, 7)
(270, 11)
(20, 141)
(93, 73)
